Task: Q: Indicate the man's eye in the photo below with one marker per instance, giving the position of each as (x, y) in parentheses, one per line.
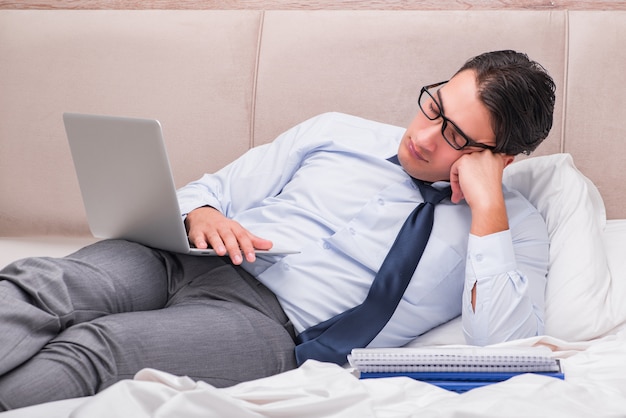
(433, 109)
(454, 136)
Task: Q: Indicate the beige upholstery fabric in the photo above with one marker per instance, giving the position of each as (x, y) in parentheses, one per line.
(595, 127)
(373, 64)
(222, 81)
(192, 70)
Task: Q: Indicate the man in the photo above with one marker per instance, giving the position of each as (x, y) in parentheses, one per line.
(338, 189)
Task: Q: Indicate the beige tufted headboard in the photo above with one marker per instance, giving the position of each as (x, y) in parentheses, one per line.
(221, 81)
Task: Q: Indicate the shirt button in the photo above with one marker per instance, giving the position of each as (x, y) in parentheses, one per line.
(352, 231)
(326, 246)
(381, 202)
(286, 267)
(479, 257)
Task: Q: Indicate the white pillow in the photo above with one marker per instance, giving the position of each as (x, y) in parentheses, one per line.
(579, 280)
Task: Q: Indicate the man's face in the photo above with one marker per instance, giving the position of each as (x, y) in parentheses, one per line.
(423, 151)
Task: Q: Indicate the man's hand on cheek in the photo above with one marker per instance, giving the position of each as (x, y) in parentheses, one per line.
(477, 177)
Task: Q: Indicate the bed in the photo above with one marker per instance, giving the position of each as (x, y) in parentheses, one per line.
(223, 81)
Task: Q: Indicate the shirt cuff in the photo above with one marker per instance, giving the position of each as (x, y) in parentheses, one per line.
(491, 254)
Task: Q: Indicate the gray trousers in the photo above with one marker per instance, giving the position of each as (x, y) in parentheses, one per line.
(73, 326)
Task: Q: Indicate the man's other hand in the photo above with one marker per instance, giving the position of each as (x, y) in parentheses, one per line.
(208, 227)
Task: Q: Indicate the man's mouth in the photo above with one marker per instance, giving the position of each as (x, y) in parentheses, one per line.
(415, 152)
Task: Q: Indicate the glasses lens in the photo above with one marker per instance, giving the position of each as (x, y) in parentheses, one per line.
(429, 106)
(452, 135)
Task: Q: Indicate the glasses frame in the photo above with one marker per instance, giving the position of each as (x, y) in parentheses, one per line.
(468, 141)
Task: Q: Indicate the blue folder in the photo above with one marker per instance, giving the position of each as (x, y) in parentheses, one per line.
(458, 381)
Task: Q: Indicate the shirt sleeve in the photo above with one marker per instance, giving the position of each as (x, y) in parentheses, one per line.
(260, 173)
(509, 272)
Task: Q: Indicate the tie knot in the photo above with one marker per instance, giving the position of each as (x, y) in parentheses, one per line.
(432, 194)
(429, 193)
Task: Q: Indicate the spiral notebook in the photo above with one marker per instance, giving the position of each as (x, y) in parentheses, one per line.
(454, 359)
(456, 368)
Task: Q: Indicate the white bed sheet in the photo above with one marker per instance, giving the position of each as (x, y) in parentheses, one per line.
(594, 385)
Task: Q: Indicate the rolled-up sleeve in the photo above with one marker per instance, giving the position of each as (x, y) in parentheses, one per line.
(510, 278)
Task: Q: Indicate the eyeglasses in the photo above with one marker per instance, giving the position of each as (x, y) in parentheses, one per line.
(453, 135)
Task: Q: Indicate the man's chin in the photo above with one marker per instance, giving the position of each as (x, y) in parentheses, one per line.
(419, 169)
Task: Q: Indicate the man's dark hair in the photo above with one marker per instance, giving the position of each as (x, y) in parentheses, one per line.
(519, 94)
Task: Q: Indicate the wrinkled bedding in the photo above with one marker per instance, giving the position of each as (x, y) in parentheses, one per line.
(594, 385)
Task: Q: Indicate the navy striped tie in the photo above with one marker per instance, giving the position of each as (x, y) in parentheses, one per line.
(333, 339)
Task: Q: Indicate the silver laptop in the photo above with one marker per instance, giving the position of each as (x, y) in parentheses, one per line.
(126, 182)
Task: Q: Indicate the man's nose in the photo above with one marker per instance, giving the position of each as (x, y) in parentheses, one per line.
(430, 135)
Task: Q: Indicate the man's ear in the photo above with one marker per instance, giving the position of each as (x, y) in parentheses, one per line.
(508, 159)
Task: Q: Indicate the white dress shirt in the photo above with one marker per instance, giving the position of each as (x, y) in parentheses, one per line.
(326, 189)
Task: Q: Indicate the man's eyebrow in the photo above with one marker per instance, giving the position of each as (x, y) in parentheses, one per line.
(457, 128)
(449, 120)
(440, 100)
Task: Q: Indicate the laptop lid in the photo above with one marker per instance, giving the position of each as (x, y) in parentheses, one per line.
(125, 180)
